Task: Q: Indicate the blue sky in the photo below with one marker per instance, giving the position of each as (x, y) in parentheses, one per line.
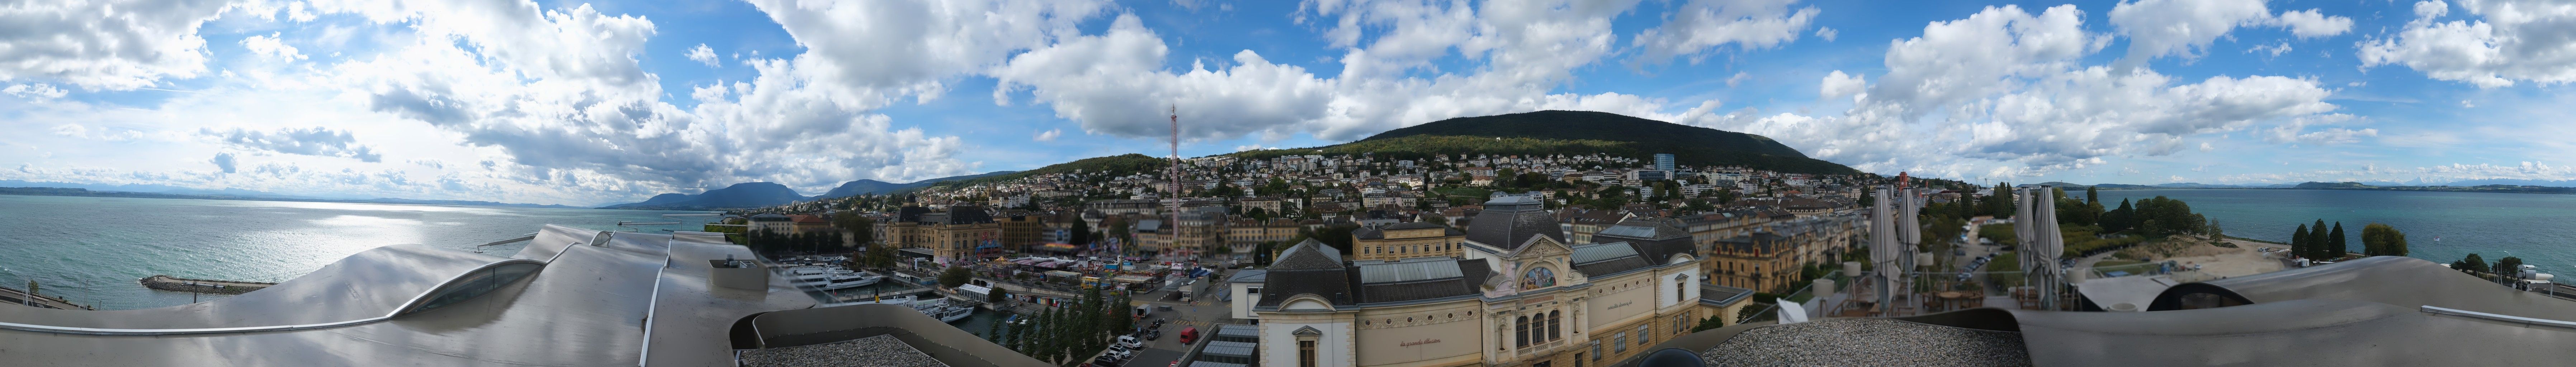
(594, 102)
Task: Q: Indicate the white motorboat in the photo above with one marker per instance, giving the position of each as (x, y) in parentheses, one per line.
(944, 311)
(847, 280)
(905, 300)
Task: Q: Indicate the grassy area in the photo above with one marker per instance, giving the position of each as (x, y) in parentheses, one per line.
(2009, 261)
(2116, 262)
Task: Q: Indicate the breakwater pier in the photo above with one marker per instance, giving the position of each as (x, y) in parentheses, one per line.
(177, 284)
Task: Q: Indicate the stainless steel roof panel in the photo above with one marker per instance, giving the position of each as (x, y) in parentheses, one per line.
(1409, 270)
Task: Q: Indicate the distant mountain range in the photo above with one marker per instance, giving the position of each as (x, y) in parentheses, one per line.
(762, 194)
(741, 195)
(1580, 132)
(854, 188)
(2180, 185)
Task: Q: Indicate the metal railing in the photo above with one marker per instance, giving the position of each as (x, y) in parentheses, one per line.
(2525, 321)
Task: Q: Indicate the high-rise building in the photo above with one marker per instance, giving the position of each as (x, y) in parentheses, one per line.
(1664, 161)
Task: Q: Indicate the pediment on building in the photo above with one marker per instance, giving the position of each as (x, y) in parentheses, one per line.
(1539, 246)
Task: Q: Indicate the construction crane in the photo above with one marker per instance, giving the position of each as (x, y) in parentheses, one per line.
(1175, 176)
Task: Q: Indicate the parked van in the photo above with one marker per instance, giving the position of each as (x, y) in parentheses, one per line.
(1190, 334)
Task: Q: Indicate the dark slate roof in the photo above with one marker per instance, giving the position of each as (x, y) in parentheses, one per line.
(910, 214)
(1510, 220)
(1656, 238)
(1603, 259)
(968, 215)
(1308, 255)
(1308, 268)
(1645, 228)
(1719, 295)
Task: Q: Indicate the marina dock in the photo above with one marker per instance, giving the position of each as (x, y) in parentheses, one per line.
(177, 284)
(20, 297)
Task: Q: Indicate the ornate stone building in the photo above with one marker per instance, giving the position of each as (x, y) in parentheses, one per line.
(1516, 296)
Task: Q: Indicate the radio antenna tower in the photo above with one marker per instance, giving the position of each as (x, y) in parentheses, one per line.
(1174, 238)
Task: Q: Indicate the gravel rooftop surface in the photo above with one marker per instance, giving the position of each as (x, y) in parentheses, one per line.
(1868, 342)
(882, 350)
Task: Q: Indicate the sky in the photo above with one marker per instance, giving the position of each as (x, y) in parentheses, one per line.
(584, 103)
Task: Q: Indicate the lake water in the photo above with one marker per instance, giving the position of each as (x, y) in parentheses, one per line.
(92, 249)
(2539, 228)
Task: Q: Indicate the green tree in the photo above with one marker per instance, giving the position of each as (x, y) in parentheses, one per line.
(2508, 266)
(862, 229)
(1081, 231)
(1712, 322)
(996, 296)
(1018, 332)
(955, 276)
(2091, 197)
(881, 256)
(2299, 242)
(2471, 263)
(2379, 239)
(2335, 242)
(993, 331)
(2317, 241)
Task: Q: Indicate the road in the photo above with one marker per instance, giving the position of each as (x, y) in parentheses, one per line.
(1203, 314)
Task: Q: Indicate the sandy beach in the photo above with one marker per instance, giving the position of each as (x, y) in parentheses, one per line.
(2213, 262)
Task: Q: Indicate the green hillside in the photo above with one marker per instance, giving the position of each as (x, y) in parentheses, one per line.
(1578, 132)
(1116, 165)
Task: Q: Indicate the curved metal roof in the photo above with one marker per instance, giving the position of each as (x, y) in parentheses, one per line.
(593, 304)
(2395, 280)
(368, 285)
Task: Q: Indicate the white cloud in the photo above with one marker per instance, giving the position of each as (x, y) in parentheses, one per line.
(1827, 33)
(35, 91)
(2512, 41)
(2158, 28)
(1701, 26)
(314, 141)
(108, 44)
(2296, 131)
(269, 46)
(2311, 23)
(2003, 93)
(1739, 78)
(2274, 50)
(704, 55)
(1837, 85)
(1048, 135)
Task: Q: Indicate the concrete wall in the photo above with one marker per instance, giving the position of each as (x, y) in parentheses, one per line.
(1441, 333)
(1332, 348)
(1633, 297)
(1244, 299)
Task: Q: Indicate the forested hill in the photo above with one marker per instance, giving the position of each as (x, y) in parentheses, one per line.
(1580, 132)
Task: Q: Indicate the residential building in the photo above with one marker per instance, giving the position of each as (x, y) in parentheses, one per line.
(962, 232)
(772, 222)
(1406, 240)
(1022, 229)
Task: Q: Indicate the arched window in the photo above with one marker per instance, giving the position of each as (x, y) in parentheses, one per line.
(1554, 325)
(1520, 336)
